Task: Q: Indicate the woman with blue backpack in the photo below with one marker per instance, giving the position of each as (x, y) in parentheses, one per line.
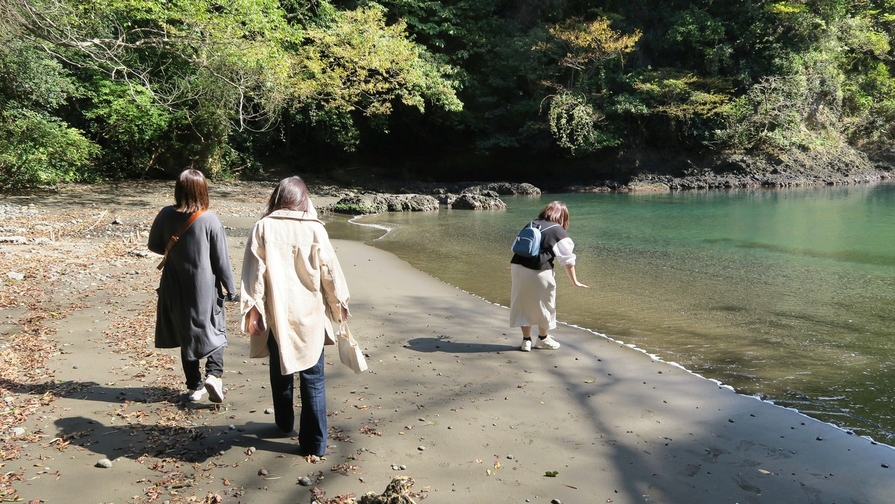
(533, 296)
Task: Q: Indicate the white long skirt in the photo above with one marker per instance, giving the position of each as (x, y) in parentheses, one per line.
(533, 297)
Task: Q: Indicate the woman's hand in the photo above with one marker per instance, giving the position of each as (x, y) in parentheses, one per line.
(255, 323)
(343, 312)
(570, 270)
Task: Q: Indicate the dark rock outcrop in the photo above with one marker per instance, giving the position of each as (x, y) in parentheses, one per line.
(467, 201)
(501, 188)
(482, 196)
(378, 203)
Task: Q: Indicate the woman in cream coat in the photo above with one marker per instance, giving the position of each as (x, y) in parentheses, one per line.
(292, 286)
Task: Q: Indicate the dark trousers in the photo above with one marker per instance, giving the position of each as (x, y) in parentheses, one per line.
(312, 421)
(214, 365)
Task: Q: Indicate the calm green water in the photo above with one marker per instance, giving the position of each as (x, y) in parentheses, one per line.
(784, 294)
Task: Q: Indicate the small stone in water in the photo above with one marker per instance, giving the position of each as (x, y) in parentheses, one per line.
(304, 481)
(262, 472)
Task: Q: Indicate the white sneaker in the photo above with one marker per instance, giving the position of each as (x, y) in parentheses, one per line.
(196, 395)
(547, 343)
(215, 388)
(526, 345)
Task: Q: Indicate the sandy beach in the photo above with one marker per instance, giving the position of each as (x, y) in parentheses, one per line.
(449, 400)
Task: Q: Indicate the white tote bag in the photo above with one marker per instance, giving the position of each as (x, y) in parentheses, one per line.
(349, 352)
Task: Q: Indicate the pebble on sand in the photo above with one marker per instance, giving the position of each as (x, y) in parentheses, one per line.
(104, 463)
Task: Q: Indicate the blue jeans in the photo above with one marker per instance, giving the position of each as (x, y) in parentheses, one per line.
(312, 422)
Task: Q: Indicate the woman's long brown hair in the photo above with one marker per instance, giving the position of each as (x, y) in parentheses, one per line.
(290, 194)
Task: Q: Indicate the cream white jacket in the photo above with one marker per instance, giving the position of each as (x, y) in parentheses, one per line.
(290, 272)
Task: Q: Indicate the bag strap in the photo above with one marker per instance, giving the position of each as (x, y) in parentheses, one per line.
(538, 226)
(176, 236)
(550, 250)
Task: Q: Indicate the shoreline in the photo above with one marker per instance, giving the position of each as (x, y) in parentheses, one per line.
(448, 397)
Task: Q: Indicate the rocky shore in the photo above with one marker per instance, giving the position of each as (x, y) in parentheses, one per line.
(419, 197)
(365, 190)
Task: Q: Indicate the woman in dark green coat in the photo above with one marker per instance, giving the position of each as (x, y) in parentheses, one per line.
(196, 279)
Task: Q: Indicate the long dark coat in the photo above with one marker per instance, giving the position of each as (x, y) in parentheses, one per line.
(190, 312)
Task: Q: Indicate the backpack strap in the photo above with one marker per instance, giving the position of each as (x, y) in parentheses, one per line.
(176, 236)
(550, 250)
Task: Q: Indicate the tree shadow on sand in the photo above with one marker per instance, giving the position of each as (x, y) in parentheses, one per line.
(93, 391)
(192, 444)
(164, 432)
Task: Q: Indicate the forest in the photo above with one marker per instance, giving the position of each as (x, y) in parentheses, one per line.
(94, 90)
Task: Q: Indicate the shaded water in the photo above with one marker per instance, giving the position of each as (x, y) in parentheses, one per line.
(785, 294)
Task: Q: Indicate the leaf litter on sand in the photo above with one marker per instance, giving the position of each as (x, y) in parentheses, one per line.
(72, 255)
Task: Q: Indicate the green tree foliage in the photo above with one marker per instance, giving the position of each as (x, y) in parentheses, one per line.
(214, 68)
(699, 40)
(150, 86)
(576, 124)
(356, 63)
(36, 147)
(582, 49)
(131, 127)
(176, 83)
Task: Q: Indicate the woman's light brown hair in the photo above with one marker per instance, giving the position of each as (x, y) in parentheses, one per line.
(290, 194)
(556, 211)
(191, 191)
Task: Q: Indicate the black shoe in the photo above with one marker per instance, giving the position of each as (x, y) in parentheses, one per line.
(285, 421)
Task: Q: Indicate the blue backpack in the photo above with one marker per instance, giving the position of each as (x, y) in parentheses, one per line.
(528, 241)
